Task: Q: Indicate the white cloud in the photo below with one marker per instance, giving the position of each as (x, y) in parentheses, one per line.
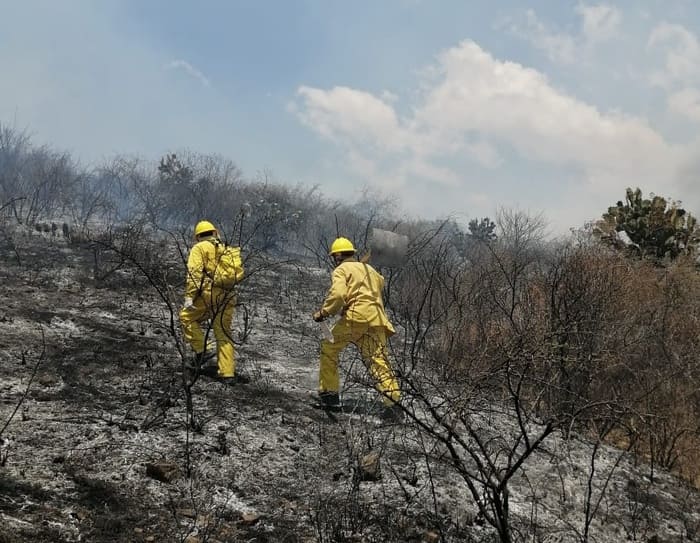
(558, 47)
(477, 103)
(479, 107)
(484, 153)
(389, 96)
(686, 103)
(682, 54)
(419, 167)
(515, 105)
(600, 22)
(344, 113)
(190, 70)
(680, 75)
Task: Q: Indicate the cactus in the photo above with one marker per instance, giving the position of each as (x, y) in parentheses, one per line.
(657, 227)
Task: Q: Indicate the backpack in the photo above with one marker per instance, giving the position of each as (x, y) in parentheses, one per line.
(229, 267)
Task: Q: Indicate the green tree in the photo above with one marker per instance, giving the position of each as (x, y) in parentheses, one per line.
(656, 227)
(483, 230)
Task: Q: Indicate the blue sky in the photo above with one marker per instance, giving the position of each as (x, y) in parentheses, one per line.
(454, 108)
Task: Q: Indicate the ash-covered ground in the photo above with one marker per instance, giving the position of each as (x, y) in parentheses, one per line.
(99, 443)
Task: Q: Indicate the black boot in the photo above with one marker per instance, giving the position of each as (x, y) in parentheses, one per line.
(329, 400)
(237, 379)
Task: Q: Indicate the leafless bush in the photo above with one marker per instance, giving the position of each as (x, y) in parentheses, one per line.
(14, 148)
(5, 451)
(663, 376)
(573, 339)
(32, 179)
(346, 516)
(516, 337)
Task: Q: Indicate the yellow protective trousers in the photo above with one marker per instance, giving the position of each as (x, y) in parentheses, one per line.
(217, 305)
(371, 342)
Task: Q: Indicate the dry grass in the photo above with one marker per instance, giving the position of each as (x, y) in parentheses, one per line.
(598, 341)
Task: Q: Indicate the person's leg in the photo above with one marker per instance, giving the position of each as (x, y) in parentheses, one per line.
(372, 346)
(191, 329)
(328, 378)
(224, 305)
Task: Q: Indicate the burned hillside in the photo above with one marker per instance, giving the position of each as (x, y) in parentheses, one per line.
(104, 438)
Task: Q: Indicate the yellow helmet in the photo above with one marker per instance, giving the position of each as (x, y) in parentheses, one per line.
(202, 227)
(342, 245)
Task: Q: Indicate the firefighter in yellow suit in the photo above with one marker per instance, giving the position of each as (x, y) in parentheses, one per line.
(204, 299)
(356, 294)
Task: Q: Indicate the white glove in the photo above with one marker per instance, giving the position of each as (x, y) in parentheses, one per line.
(189, 303)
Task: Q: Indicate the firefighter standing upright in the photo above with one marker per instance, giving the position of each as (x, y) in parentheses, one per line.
(356, 294)
(208, 298)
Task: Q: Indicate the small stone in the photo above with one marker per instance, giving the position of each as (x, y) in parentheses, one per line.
(47, 380)
(369, 467)
(248, 519)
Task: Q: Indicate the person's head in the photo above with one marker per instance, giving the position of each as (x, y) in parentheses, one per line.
(204, 229)
(341, 249)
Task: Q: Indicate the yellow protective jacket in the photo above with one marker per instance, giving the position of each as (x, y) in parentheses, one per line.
(356, 293)
(201, 265)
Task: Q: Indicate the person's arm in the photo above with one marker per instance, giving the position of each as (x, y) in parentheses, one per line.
(195, 272)
(335, 299)
(238, 263)
(337, 294)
